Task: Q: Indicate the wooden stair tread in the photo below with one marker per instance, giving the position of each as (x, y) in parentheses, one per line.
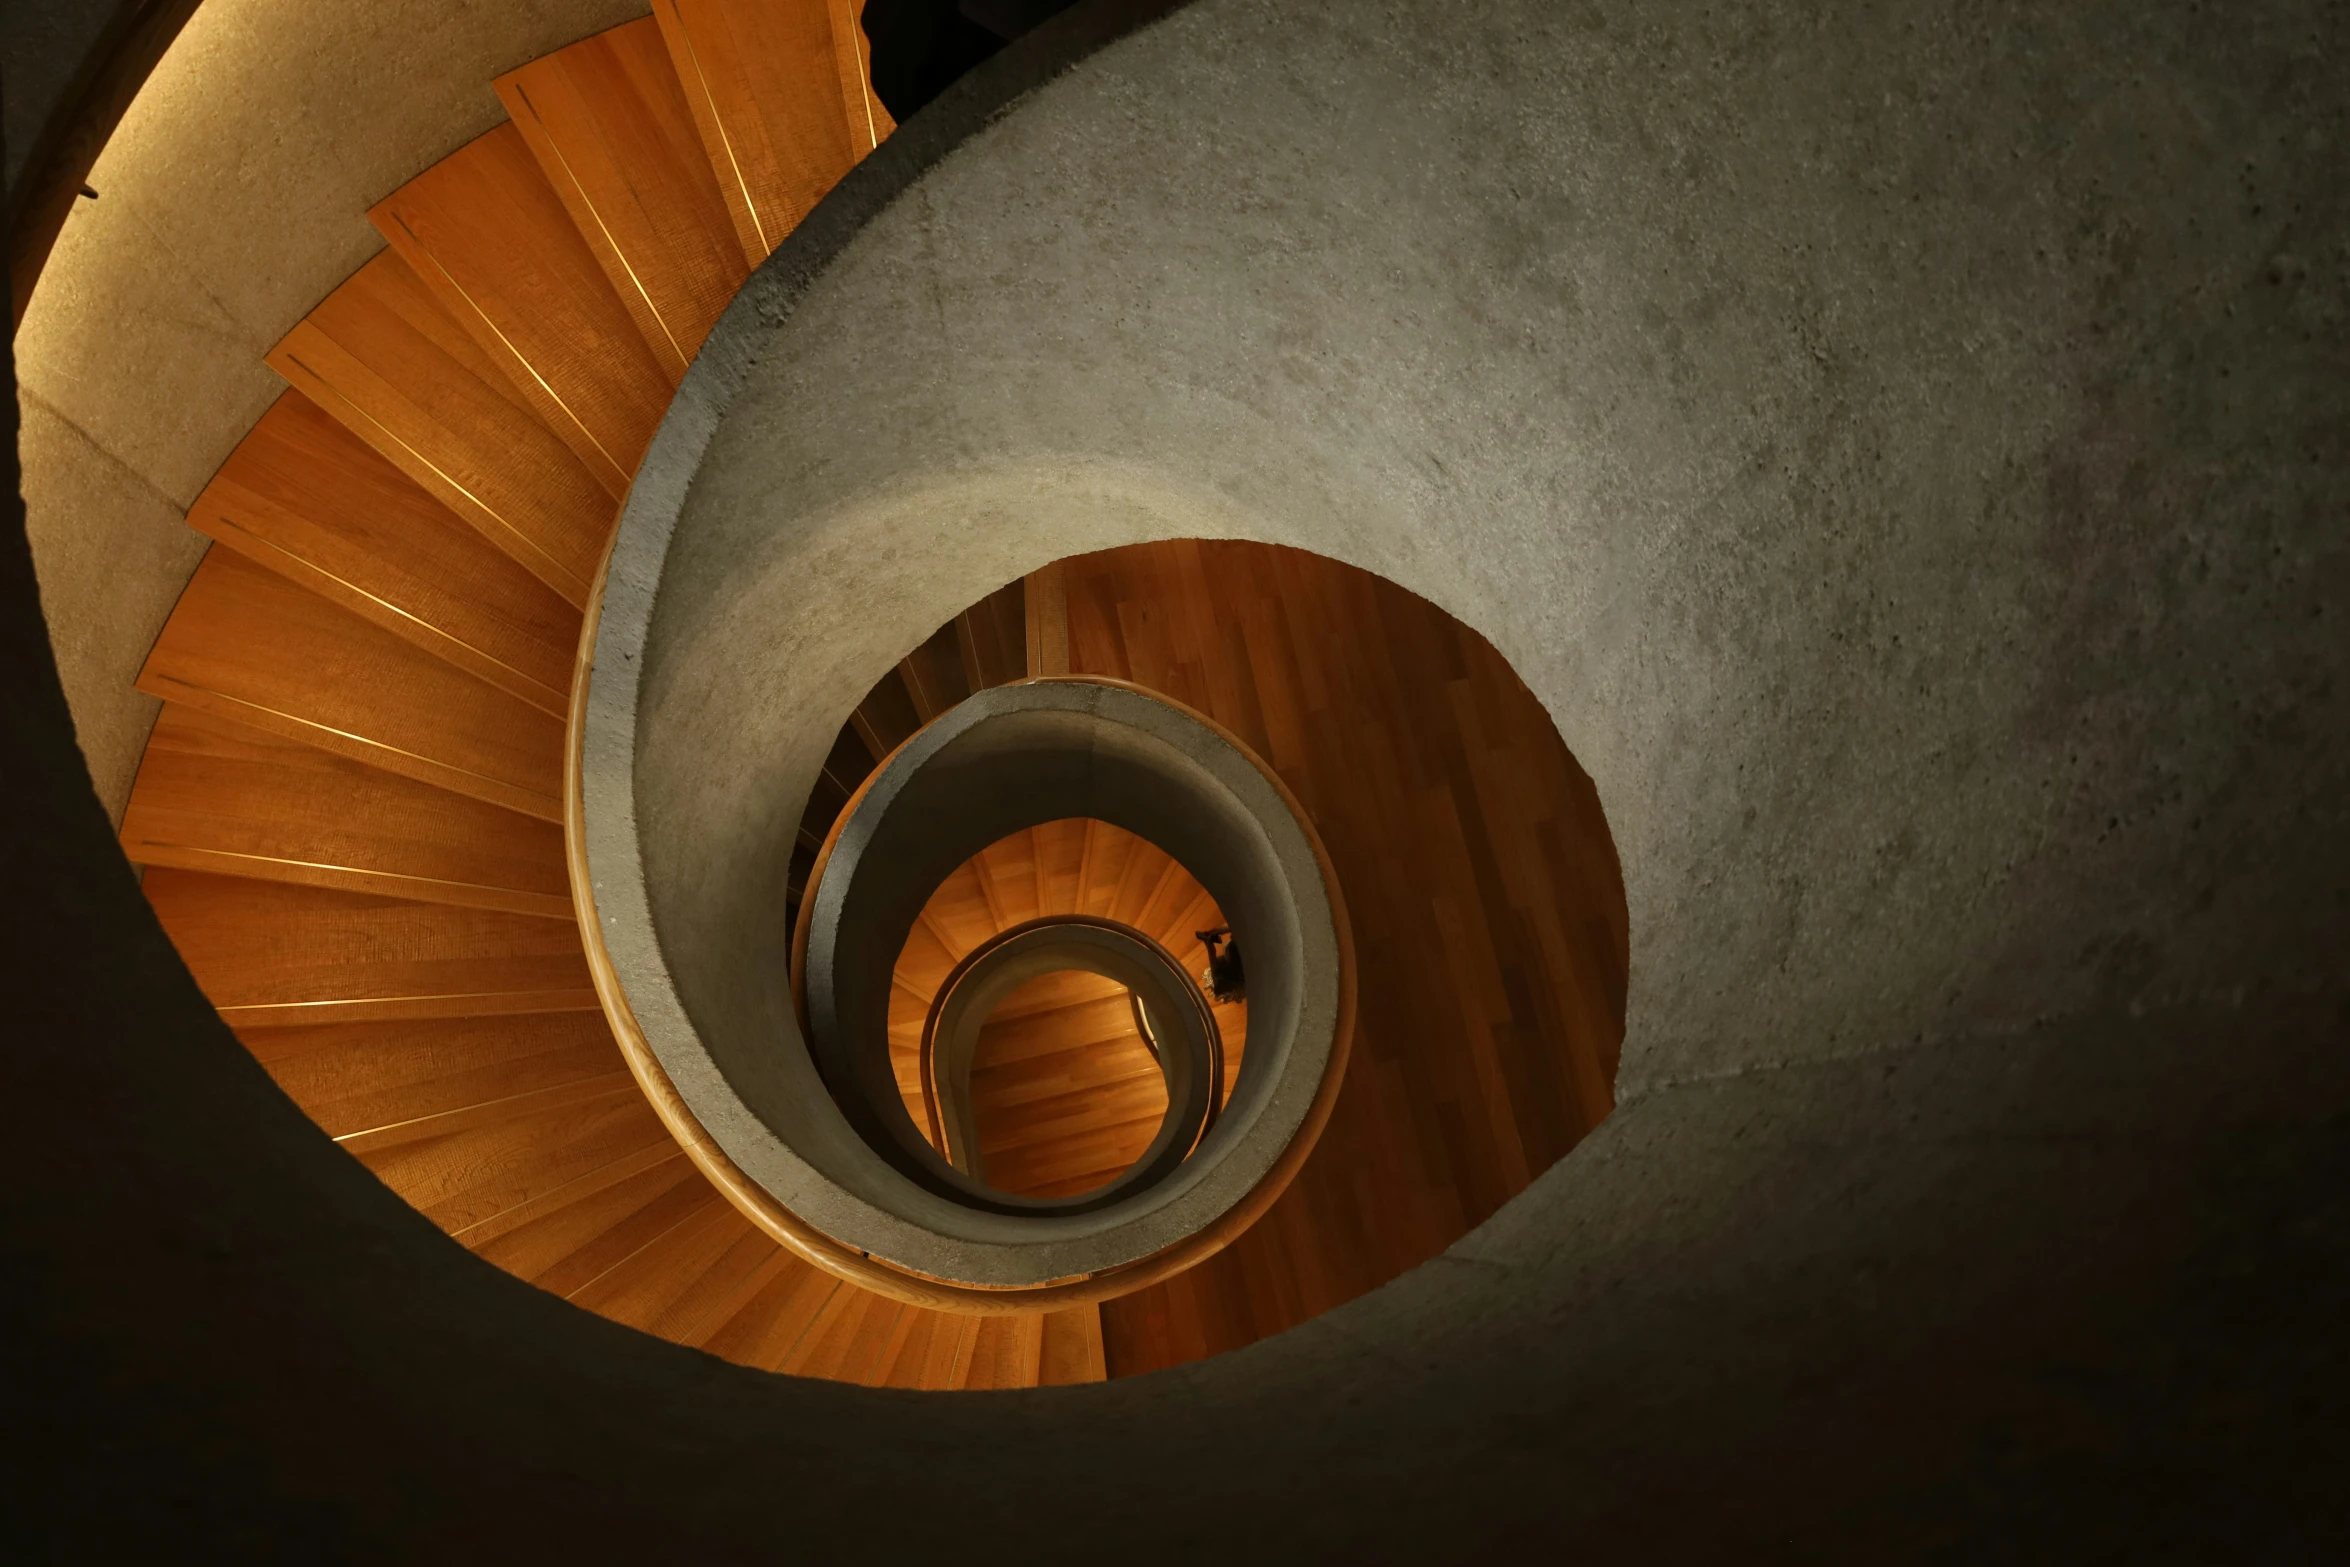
(276, 954)
(928, 1348)
(677, 1279)
(765, 84)
(566, 1247)
(382, 356)
(1065, 1093)
(1007, 1352)
(257, 648)
(991, 638)
(303, 496)
(355, 1077)
(475, 1174)
(216, 795)
(491, 239)
(850, 1339)
(610, 127)
(768, 1326)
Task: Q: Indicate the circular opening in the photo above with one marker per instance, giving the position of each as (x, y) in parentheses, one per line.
(1064, 1083)
(1441, 801)
(1066, 1089)
(1001, 762)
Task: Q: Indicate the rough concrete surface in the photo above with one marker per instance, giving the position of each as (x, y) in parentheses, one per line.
(1000, 762)
(1907, 449)
(232, 199)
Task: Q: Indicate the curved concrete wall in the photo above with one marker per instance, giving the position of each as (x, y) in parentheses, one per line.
(232, 198)
(1906, 453)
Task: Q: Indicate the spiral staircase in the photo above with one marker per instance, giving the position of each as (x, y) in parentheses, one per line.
(1902, 450)
(352, 810)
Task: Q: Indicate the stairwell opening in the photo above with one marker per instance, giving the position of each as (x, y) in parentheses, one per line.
(1067, 1081)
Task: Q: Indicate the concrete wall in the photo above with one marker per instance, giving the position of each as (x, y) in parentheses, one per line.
(1906, 451)
(232, 198)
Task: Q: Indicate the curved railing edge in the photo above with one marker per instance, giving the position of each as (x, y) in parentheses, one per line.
(821, 1249)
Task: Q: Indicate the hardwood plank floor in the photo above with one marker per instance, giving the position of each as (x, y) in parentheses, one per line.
(1487, 904)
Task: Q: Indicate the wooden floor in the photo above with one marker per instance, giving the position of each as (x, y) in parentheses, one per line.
(1488, 911)
(1066, 1093)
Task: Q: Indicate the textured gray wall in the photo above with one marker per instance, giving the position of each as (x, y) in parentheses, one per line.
(1908, 468)
(1906, 450)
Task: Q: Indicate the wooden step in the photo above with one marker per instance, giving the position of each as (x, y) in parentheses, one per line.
(490, 238)
(216, 795)
(559, 1228)
(382, 356)
(270, 954)
(765, 1329)
(850, 1340)
(477, 1172)
(992, 638)
(934, 675)
(1071, 1348)
(870, 124)
(676, 1279)
(765, 80)
(1007, 1352)
(933, 1351)
(359, 1078)
(612, 132)
(304, 497)
(886, 718)
(252, 646)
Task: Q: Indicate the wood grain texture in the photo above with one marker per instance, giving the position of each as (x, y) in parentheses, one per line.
(385, 358)
(1045, 614)
(1007, 1352)
(1487, 904)
(934, 674)
(562, 1246)
(270, 954)
(1074, 866)
(991, 638)
(869, 122)
(479, 1171)
(765, 83)
(491, 239)
(254, 647)
(1064, 1093)
(611, 129)
(669, 1284)
(304, 497)
(358, 1077)
(216, 795)
(530, 1104)
(886, 719)
(1070, 1347)
(850, 1338)
(767, 1327)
